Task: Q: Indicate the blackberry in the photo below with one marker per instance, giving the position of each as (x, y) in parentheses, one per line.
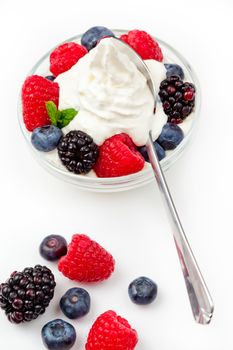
(78, 152)
(26, 294)
(178, 98)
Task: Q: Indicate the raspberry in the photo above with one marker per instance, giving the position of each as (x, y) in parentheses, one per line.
(111, 332)
(86, 261)
(143, 44)
(118, 156)
(65, 56)
(124, 37)
(36, 91)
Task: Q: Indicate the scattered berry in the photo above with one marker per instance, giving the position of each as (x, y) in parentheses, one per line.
(143, 44)
(174, 69)
(91, 37)
(36, 91)
(26, 294)
(142, 291)
(46, 138)
(75, 303)
(178, 98)
(159, 150)
(112, 332)
(118, 156)
(65, 56)
(78, 152)
(53, 247)
(50, 77)
(58, 335)
(171, 136)
(86, 261)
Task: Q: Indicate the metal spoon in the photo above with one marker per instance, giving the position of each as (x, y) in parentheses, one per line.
(199, 296)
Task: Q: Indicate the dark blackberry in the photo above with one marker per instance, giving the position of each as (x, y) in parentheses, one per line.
(78, 152)
(25, 295)
(178, 98)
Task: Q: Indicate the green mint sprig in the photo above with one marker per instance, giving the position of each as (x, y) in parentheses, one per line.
(60, 118)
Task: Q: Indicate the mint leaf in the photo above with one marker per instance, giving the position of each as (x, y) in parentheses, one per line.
(53, 112)
(60, 118)
(66, 116)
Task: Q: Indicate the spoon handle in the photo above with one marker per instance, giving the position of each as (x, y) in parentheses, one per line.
(199, 296)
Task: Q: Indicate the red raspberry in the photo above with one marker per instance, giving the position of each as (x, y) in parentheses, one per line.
(111, 332)
(143, 44)
(124, 37)
(118, 156)
(65, 56)
(86, 261)
(36, 91)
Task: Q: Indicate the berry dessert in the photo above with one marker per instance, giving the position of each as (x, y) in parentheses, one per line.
(90, 110)
(26, 294)
(86, 261)
(111, 331)
(53, 247)
(58, 335)
(75, 303)
(142, 291)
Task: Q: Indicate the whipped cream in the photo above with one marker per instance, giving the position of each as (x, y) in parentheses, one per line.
(111, 95)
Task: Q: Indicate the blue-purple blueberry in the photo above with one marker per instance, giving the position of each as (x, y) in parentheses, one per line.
(58, 335)
(53, 247)
(50, 77)
(46, 138)
(75, 303)
(159, 150)
(91, 37)
(142, 291)
(171, 136)
(174, 69)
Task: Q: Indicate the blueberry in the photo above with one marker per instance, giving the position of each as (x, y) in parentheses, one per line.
(91, 37)
(142, 291)
(50, 77)
(53, 247)
(174, 69)
(46, 138)
(170, 136)
(58, 335)
(75, 303)
(159, 150)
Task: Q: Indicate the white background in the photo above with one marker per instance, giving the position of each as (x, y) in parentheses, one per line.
(132, 225)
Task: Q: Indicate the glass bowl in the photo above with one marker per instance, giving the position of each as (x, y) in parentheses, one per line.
(124, 182)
